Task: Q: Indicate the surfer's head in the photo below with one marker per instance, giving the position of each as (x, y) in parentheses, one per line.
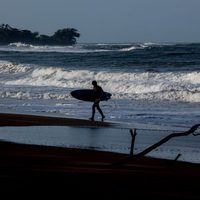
(94, 83)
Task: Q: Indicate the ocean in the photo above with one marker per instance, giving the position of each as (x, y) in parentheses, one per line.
(152, 84)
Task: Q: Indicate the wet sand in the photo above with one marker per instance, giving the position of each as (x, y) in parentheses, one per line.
(8, 119)
(43, 171)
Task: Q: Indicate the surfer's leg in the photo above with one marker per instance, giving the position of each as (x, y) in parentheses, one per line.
(102, 115)
(93, 112)
(100, 111)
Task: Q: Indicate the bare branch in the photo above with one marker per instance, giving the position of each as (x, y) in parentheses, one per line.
(164, 140)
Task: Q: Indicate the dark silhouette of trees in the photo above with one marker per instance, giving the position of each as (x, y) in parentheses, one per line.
(66, 36)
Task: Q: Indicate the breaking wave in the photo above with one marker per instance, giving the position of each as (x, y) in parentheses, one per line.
(30, 81)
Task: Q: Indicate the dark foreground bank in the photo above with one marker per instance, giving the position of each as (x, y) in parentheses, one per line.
(74, 172)
(42, 171)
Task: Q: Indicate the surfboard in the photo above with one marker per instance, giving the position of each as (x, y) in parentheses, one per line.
(88, 95)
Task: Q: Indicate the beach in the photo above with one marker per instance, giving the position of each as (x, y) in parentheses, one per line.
(57, 171)
(150, 83)
(50, 148)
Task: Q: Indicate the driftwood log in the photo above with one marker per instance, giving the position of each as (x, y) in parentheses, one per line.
(154, 146)
(167, 138)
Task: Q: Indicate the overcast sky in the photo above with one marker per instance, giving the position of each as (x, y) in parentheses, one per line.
(108, 20)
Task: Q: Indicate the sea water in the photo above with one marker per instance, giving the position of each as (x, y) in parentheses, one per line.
(106, 139)
(151, 84)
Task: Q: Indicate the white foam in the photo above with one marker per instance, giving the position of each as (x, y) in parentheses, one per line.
(172, 86)
(129, 48)
(12, 68)
(23, 47)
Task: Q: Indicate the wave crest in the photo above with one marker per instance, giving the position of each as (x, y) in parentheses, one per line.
(172, 86)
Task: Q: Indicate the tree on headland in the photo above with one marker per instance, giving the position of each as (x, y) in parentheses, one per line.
(66, 36)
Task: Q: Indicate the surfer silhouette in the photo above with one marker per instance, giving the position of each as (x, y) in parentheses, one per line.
(97, 94)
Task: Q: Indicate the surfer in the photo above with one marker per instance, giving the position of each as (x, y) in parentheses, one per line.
(98, 92)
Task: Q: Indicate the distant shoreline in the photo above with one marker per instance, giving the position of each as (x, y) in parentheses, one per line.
(66, 36)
